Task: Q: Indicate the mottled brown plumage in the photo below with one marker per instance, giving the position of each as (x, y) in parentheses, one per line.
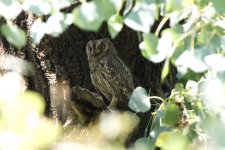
(109, 74)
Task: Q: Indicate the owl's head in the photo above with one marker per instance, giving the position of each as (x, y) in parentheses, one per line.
(100, 48)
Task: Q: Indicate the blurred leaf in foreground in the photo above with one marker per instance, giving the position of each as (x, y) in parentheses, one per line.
(22, 124)
(14, 35)
(139, 100)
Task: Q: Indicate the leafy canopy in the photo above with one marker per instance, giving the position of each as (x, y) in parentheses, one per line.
(194, 42)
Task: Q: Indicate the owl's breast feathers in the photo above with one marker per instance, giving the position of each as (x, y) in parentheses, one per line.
(115, 77)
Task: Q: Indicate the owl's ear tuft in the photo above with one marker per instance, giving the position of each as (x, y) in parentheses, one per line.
(106, 40)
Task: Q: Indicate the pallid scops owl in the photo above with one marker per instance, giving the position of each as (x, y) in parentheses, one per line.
(109, 74)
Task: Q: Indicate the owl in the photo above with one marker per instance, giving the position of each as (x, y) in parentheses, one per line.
(109, 74)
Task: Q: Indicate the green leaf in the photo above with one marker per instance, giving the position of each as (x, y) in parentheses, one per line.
(172, 5)
(66, 3)
(38, 31)
(172, 141)
(167, 40)
(21, 108)
(115, 24)
(88, 20)
(216, 62)
(106, 8)
(149, 45)
(128, 7)
(165, 70)
(33, 102)
(157, 130)
(39, 7)
(16, 64)
(58, 23)
(172, 115)
(117, 4)
(179, 87)
(10, 9)
(14, 35)
(192, 61)
(139, 100)
(204, 34)
(218, 5)
(214, 127)
(160, 1)
(144, 144)
(142, 16)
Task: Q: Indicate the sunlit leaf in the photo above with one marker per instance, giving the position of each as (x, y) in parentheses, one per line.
(179, 87)
(58, 23)
(38, 7)
(221, 76)
(10, 9)
(187, 3)
(157, 130)
(154, 49)
(216, 62)
(162, 138)
(218, 4)
(106, 8)
(160, 1)
(34, 102)
(23, 109)
(10, 84)
(139, 100)
(119, 124)
(173, 5)
(128, 7)
(177, 16)
(144, 144)
(189, 60)
(172, 141)
(192, 87)
(213, 93)
(65, 3)
(167, 40)
(38, 31)
(142, 16)
(172, 115)
(15, 64)
(117, 4)
(183, 74)
(149, 45)
(88, 20)
(165, 70)
(14, 35)
(214, 128)
(44, 126)
(115, 24)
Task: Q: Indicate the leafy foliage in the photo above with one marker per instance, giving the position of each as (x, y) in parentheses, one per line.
(13, 33)
(193, 42)
(139, 100)
(22, 121)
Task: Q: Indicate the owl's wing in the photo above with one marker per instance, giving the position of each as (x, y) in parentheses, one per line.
(120, 75)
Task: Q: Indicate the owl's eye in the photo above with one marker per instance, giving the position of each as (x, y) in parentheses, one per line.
(101, 47)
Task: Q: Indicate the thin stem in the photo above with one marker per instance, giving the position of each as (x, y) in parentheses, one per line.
(150, 122)
(121, 6)
(162, 23)
(177, 42)
(192, 42)
(156, 97)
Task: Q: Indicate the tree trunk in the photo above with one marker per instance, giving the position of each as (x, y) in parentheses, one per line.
(61, 64)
